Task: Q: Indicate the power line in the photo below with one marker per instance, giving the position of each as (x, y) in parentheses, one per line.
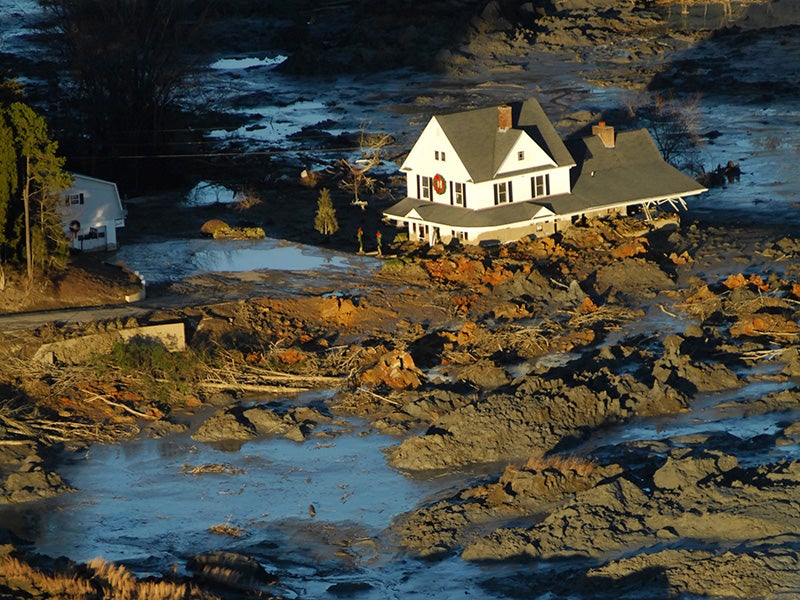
(219, 154)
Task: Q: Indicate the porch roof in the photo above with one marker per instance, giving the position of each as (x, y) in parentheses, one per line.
(457, 216)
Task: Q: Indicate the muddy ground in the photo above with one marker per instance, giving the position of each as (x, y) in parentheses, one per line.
(524, 359)
(527, 352)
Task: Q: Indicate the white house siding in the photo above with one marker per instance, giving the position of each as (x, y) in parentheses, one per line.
(432, 233)
(631, 173)
(423, 161)
(533, 157)
(481, 195)
(511, 234)
(95, 205)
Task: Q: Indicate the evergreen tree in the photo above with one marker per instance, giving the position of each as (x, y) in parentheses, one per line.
(9, 182)
(31, 177)
(325, 221)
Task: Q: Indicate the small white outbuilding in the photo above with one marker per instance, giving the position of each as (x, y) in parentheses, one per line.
(91, 212)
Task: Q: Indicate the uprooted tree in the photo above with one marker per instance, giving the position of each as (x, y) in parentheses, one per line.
(31, 178)
(355, 178)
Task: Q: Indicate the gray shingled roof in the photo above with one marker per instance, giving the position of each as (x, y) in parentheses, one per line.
(482, 147)
(631, 171)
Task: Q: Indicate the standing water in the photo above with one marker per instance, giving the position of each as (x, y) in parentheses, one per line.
(151, 504)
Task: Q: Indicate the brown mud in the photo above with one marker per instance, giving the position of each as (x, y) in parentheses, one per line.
(475, 372)
(516, 359)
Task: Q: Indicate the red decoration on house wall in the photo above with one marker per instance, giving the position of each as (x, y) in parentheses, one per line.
(439, 184)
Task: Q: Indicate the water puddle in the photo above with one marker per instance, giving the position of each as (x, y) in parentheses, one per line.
(177, 259)
(275, 124)
(233, 64)
(711, 413)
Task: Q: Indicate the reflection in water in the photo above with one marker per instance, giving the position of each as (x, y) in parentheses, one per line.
(692, 15)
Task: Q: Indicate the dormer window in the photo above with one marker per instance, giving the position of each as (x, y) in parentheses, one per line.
(521, 155)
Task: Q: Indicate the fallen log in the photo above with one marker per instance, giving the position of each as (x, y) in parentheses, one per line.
(253, 387)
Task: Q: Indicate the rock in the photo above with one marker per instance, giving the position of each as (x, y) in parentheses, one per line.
(212, 226)
(266, 421)
(484, 374)
(32, 485)
(347, 589)
(230, 570)
(224, 425)
(757, 572)
(396, 370)
(764, 324)
(683, 472)
(162, 428)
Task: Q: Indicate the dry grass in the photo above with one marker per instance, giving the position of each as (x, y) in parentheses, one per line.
(211, 468)
(578, 465)
(227, 529)
(98, 579)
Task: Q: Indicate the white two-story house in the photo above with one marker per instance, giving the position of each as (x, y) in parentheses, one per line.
(502, 173)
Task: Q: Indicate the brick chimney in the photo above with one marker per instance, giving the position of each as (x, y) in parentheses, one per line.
(504, 117)
(605, 133)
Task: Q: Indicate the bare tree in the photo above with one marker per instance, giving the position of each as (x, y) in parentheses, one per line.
(126, 59)
(674, 125)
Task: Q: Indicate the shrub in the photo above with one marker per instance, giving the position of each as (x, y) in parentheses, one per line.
(161, 373)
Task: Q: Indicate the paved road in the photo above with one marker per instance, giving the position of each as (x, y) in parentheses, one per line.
(203, 291)
(68, 316)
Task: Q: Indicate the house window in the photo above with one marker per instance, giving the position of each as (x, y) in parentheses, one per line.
(458, 193)
(425, 188)
(540, 185)
(462, 235)
(521, 155)
(74, 199)
(502, 193)
(439, 155)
